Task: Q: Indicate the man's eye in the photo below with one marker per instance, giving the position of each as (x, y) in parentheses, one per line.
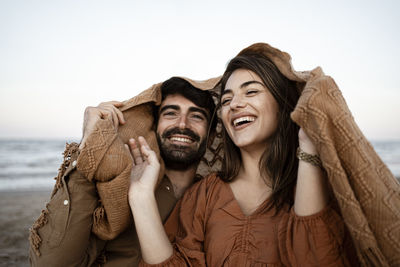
(169, 113)
(198, 117)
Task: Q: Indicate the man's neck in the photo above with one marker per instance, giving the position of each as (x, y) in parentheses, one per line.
(181, 179)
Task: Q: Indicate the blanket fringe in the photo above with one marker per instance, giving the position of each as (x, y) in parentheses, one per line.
(34, 237)
(69, 150)
(98, 214)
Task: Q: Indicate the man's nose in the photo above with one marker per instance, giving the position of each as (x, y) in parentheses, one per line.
(182, 122)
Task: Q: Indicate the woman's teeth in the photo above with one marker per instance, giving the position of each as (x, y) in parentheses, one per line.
(242, 120)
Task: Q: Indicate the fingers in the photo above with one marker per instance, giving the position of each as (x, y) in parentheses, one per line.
(135, 152)
(147, 151)
(117, 104)
(142, 154)
(111, 108)
(120, 116)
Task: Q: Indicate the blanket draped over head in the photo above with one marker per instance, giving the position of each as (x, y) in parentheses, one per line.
(366, 191)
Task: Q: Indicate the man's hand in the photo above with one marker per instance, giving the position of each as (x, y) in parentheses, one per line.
(145, 169)
(106, 110)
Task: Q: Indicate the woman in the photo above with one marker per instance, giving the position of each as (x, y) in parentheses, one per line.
(265, 208)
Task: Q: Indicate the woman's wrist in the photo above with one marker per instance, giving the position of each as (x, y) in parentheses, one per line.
(308, 147)
(139, 197)
(313, 159)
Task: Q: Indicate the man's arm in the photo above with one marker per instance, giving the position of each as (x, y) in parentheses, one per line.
(62, 234)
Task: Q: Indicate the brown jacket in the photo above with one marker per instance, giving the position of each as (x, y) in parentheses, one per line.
(65, 227)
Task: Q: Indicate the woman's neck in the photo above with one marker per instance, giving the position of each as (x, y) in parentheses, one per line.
(250, 169)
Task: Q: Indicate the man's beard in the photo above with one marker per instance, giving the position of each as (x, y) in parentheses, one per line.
(178, 157)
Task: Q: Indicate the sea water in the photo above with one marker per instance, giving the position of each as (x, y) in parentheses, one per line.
(27, 165)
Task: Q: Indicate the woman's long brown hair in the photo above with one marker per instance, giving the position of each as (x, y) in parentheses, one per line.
(278, 164)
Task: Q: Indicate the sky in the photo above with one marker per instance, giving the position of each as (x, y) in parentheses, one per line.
(58, 57)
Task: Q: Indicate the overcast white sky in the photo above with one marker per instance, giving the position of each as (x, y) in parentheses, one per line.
(57, 57)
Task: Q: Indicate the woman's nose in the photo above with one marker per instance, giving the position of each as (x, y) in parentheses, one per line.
(237, 102)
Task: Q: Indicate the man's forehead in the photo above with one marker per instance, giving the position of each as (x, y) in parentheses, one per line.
(179, 101)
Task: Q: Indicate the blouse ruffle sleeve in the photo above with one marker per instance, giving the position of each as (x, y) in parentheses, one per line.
(315, 240)
(176, 259)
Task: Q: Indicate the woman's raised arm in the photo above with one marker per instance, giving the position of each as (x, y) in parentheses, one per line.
(312, 193)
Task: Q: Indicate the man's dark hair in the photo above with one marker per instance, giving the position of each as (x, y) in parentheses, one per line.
(202, 98)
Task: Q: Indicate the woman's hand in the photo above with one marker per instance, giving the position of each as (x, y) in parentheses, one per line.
(145, 169)
(154, 243)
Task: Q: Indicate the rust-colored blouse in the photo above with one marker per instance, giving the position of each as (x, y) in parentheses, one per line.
(208, 228)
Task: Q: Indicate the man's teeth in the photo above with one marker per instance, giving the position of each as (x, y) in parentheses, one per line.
(181, 139)
(243, 119)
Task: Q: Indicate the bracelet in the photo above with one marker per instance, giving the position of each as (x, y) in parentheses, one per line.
(313, 159)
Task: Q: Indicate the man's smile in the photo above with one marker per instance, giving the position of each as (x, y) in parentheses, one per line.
(181, 139)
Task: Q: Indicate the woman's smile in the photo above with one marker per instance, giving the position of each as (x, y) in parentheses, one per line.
(242, 121)
(249, 111)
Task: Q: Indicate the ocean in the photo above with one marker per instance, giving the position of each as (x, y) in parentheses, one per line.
(27, 165)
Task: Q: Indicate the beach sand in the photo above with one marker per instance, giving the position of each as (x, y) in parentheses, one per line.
(18, 211)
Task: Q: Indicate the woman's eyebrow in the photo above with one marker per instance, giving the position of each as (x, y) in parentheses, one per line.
(245, 84)
(226, 91)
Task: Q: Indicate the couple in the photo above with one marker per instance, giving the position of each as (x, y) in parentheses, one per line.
(269, 204)
(265, 208)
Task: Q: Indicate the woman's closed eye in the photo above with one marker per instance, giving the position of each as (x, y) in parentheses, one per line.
(226, 101)
(251, 92)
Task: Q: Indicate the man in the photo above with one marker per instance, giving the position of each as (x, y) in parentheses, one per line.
(64, 234)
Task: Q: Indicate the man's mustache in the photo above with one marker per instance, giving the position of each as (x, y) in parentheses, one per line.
(185, 131)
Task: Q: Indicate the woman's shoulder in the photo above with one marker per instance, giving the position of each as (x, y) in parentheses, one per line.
(211, 180)
(206, 185)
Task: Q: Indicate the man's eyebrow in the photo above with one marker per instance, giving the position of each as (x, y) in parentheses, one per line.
(174, 107)
(245, 84)
(191, 109)
(195, 109)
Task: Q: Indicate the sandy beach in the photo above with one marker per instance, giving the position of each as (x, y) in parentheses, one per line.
(18, 211)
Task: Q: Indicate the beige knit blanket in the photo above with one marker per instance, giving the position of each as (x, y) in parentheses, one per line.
(366, 191)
